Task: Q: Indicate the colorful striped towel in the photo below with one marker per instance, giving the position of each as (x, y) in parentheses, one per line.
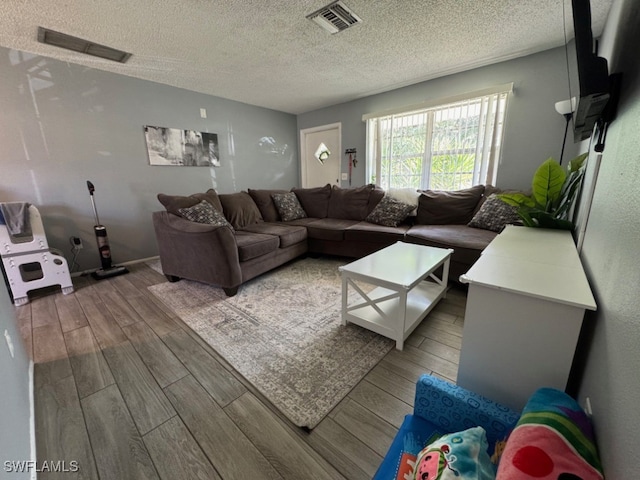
(552, 440)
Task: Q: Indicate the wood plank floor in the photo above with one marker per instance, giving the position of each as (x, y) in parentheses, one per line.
(128, 391)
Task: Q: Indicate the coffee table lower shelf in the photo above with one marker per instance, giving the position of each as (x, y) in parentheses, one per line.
(387, 312)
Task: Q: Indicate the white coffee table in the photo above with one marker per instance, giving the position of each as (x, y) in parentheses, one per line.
(406, 288)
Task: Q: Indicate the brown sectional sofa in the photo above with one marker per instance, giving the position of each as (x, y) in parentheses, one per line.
(335, 225)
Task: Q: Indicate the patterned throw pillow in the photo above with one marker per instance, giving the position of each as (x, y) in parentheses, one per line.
(406, 195)
(203, 212)
(288, 206)
(494, 215)
(389, 212)
(456, 456)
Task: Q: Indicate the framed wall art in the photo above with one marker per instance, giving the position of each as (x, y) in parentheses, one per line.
(181, 148)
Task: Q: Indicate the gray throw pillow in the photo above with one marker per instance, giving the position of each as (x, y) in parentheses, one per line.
(203, 212)
(389, 212)
(288, 206)
(494, 215)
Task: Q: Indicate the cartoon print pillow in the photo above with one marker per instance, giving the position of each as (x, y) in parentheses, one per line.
(412, 445)
(459, 456)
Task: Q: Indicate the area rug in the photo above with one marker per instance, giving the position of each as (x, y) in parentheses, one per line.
(282, 332)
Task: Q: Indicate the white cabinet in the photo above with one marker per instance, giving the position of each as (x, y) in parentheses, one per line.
(526, 302)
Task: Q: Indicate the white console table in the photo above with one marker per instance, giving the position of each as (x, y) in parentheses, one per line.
(526, 302)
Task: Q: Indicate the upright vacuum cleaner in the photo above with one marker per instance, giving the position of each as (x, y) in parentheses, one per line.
(107, 269)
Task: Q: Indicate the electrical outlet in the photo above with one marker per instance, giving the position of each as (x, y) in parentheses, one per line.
(345, 176)
(76, 243)
(587, 407)
(7, 337)
(203, 113)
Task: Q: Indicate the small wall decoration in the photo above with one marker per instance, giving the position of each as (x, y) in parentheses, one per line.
(183, 148)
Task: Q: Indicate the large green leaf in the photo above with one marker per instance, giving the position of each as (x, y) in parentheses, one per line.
(554, 192)
(576, 163)
(547, 183)
(525, 214)
(548, 220)
(569, 192)
(516, 199)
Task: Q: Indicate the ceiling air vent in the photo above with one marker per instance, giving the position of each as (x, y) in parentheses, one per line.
(76, 44)
(335, 17)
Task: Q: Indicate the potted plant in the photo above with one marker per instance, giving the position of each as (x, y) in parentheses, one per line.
(553, 193)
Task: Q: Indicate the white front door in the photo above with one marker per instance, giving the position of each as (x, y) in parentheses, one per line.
(321, 155)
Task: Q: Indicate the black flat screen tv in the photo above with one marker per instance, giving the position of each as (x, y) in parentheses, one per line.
(588, 74)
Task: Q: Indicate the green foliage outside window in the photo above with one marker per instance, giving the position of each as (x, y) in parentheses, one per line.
(453, 147)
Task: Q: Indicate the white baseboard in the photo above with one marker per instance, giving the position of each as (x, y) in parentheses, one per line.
(148, 259)
(124, 264)
(32, 419)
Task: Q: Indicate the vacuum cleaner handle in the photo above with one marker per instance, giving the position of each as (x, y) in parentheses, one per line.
(93, 203)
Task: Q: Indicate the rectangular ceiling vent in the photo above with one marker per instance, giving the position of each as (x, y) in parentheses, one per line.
(62, 40)
(335, 17)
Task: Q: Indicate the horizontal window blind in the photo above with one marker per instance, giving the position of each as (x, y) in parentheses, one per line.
(448, 146)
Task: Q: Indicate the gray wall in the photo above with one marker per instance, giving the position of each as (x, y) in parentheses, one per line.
(611, 257)
(15, 398)
(534, 129)
(62, 124)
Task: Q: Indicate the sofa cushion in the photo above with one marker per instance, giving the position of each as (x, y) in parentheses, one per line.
(264, 202)
(373, 233)
(455, 236)
(439, 207)
(288, 206)
(456, 456)
(240, 209)
(288, 234)
(490, 190)
(204, 212)
(252, 245)
(303, 222)
(349, 203)
(329, 229)
(174, 202)
(315, 201)
(389, 212)
(494, 215)
(467, 242)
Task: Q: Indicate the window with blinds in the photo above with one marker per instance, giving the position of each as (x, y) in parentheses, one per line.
(449, 146)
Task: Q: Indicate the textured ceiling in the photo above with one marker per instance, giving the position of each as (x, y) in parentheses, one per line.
(267, 53)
